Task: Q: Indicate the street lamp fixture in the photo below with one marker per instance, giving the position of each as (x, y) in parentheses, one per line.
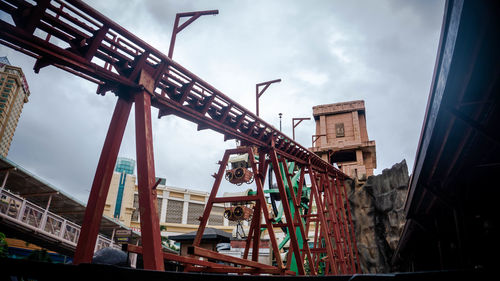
(280, 114)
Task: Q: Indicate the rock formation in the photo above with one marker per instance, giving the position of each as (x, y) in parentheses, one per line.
(378, 216)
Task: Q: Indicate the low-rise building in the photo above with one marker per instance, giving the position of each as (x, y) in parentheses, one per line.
(179, 209)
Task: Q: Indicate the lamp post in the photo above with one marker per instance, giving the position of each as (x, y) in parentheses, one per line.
(296, 124)
(259, 93)
(192, 17)
(280, 114)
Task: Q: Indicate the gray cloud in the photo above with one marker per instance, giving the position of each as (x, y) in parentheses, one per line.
(325, 52)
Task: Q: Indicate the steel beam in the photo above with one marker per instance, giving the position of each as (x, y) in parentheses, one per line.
(100, 186)
(148, 207)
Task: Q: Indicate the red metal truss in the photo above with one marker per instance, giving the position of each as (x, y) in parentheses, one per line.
(104, 52)
(337, 229)
(72, 36)
(327, 217)
(260, 208)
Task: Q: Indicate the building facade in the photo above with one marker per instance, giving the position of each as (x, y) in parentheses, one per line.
(14, 93)
(342, 138)
(179, 209)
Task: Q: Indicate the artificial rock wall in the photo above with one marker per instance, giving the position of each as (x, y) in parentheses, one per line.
(378, 216)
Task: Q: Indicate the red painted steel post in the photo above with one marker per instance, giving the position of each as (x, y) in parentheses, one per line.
(100, 186)
(174, 36)
(150, 224)
(261, 175)
(256, 235)
(213, 194)
(255, 224)
(265, 211)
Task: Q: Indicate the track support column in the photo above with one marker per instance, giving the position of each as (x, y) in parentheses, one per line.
(102, 179)
(150, 224)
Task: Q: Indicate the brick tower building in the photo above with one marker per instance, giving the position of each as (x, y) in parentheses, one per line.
(342, 139)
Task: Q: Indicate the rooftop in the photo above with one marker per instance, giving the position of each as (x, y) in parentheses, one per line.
(340, 107)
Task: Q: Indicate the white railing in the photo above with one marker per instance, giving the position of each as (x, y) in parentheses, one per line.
(29, 215)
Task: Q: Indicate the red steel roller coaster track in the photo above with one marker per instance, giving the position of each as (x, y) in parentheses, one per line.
(76, 38)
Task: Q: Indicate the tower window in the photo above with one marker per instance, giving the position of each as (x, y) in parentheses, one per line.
(339, 130)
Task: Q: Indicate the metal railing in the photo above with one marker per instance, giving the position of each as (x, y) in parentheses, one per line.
(28, 215)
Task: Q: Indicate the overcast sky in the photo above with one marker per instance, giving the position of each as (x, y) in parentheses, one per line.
(382, 52)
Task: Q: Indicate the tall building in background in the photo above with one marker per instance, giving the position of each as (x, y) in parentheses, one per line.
(125, 167)
(14, 93)
(119, 203)
(342, 139)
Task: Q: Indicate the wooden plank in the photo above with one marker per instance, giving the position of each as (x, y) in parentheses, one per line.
(180, 259)
(198, 251)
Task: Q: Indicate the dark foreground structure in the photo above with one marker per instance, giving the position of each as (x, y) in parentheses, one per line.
(451, 210)
(54, 272)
